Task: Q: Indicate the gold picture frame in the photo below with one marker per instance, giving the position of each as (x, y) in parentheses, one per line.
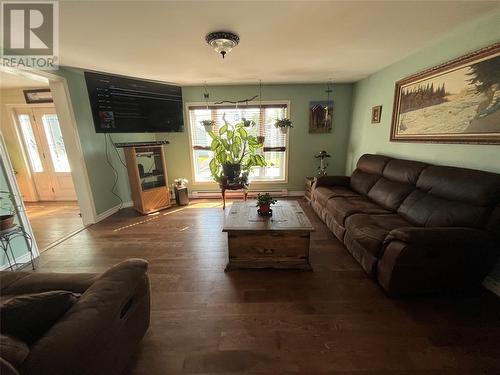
(455, 102)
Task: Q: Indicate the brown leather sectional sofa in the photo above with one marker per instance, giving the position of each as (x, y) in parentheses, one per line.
(417, 228)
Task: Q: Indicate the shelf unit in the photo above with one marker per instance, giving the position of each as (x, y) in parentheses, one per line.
(147, 173)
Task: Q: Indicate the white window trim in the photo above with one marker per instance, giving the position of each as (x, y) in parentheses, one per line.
(253, 183)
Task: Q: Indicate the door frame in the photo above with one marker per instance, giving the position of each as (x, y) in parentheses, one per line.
(64, 109)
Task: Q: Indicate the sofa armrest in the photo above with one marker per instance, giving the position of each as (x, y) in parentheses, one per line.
(332, 181)
(432, 260)
(14, 283)
(101, 331)
(451, 237)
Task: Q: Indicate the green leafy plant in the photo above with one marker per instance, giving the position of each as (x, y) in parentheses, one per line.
(265, 200)
(283, 123)
(233, 145)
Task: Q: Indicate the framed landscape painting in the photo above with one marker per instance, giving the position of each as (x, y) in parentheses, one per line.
(456, 102)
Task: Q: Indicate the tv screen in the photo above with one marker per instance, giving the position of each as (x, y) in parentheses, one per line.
(128, 105)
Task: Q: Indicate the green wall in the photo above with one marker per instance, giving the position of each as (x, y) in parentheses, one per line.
(378, 89)
(100, 173)
(303, 145)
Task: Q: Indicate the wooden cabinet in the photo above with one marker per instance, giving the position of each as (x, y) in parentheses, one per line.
(147, 173)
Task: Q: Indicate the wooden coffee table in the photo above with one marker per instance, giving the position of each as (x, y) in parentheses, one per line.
(279, 241)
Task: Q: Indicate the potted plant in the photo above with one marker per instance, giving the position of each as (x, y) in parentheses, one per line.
(8, 210)
(208, 125)
(247, 123)
(264, 202)
(180, 183)
(235, 151)
(283, 124)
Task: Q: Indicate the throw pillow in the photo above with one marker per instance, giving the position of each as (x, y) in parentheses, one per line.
(29, 316)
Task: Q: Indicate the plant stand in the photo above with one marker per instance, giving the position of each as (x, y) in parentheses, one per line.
(232, 186)
(6, 237)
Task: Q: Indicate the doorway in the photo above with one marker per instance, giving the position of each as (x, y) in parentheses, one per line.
(39, 158)
(43, 143)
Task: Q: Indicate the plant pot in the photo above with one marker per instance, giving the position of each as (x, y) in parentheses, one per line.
(265, 210)
(231, 171)
(208, 128)
(284, 129)
(6, 222)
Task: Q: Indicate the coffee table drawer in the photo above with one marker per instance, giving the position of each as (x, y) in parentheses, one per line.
(258, 245)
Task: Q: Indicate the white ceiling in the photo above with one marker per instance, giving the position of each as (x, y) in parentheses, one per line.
(285, 41)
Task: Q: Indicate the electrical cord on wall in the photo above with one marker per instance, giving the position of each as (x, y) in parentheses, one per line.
(116, 150)
(114, 171)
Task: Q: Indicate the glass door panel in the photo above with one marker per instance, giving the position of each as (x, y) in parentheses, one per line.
(55, 143)
(30, 142)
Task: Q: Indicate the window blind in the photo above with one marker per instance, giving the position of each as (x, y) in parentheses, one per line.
(263, 116)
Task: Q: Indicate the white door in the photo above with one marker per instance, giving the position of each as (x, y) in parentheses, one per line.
(44, 145)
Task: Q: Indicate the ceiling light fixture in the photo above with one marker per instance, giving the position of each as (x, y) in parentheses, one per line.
(222, 41)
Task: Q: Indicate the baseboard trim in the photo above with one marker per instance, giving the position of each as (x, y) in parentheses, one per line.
(492, 285)
(112, 210)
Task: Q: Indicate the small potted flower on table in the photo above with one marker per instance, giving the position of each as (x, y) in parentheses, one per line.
(264, 202)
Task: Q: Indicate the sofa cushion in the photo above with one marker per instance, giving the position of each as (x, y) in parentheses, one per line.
(368, 170)
(404, 171)
(390, 194)
(369, 231)
(13, 350)
(373, 164)
(346, 192)
(432, 211)
(460, 184)
(340, 207)
(362, 182)
(322, 194)
(28, 316)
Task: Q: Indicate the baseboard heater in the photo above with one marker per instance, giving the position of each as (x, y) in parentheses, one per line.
(239, 193)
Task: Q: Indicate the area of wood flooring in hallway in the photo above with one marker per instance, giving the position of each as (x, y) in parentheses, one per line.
(52, 221)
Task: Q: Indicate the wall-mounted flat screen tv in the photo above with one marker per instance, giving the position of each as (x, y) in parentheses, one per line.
(129, 105)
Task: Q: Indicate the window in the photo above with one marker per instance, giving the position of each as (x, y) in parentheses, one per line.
(275, 142)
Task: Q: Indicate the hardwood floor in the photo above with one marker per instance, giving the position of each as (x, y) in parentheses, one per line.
(331, 321)
(52, 221)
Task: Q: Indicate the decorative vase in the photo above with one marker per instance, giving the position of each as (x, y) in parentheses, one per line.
(231, 171)
(284, 129)
(6, 222)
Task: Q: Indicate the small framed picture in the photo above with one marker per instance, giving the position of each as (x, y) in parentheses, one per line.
(36, 96)
(376, 114)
